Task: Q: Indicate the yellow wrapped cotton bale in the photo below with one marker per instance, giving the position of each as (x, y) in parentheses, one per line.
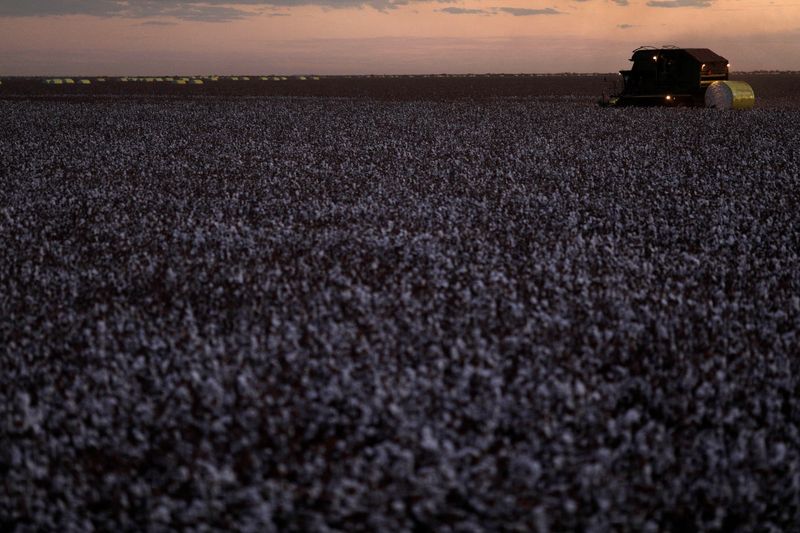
(730, 95)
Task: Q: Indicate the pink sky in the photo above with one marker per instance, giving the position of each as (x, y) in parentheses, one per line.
(110, 37)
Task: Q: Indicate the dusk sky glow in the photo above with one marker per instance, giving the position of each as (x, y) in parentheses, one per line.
(108, 37)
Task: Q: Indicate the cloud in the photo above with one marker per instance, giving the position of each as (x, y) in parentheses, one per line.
(525, 12)
(625, 26)
(515, 11)
(679, 3)
(464, 11)
(618, 2)
(193, 10)
(186, 10)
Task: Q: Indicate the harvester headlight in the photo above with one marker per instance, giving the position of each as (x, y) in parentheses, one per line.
(669, 98)
(655, 58)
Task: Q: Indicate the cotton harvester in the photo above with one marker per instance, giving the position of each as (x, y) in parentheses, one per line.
(672, 76)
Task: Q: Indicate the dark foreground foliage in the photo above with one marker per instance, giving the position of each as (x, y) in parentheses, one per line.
(304, 314)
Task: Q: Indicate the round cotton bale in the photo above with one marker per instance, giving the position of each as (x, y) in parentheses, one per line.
(69, 81)
(86, 82)
(197, 82)
(730, 95)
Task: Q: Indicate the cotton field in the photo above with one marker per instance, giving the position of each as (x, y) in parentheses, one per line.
(318, 314)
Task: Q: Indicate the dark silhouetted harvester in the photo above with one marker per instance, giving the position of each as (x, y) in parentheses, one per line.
(672, 76)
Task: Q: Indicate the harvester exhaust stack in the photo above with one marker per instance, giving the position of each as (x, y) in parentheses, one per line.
(671, 76)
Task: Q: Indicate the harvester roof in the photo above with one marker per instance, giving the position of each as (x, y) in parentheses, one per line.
(701, 55)
(704, 55)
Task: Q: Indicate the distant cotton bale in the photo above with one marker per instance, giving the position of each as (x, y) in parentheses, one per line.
(197, 82)
(730, 95)
(180, 82)
(69, 81)
(86, 82)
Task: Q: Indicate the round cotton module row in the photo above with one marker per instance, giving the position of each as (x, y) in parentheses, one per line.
(67, 81)
(178, 80)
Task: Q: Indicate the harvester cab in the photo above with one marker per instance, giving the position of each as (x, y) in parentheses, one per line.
(671, 76)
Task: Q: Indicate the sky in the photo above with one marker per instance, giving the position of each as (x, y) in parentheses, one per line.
(162, 37)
